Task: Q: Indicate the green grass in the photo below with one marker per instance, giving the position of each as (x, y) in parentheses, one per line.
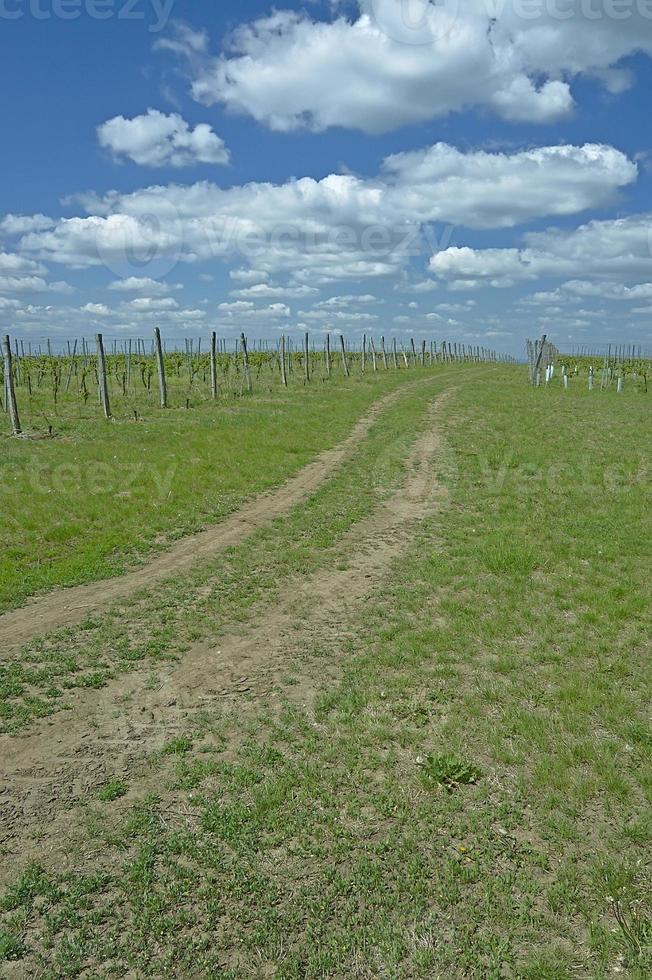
(112, 790)
(88, 503)
(470, 797)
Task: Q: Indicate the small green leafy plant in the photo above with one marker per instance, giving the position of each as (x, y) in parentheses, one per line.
(448, 771)
(112, 790)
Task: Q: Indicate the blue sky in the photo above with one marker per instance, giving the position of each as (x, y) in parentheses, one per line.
(477, 171)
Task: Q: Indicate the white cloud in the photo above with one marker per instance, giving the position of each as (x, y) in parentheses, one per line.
(263, 290)
(244, 310)
(32, 284)
(576, 289)
(494, 264)
(341, 227)
(20, 224)
(618, 249)
(96, 309)
(349, 316)
(18, 265)
(145, 303)
(238, 307)
(247, 275)
(144, 284)
(157, 140)
(383, 69)
(423, 286)
(503, 189)
(346, 301)
(456, 307)
(69, 320)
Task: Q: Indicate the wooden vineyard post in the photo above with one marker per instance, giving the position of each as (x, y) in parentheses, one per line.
(372, 347)
(128, 365)
(306, 354)
(537, 364)
(423, 354)
(364, 352)
(284, 377)
(328, 355)
(213, 365)
(17, 360)
(70, 367)
(101, 374)
(160, 364)
(10, 392)
(384, 352)
(394, 360)
(414, 352)
(344, 364)
(245, 356)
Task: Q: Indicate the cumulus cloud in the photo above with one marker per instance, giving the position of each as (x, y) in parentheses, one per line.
(340, 227)
(158, 140)
(347, 300)
(145, 303)
(246, 310)
(96, 309)
(422, 286)
(329, 315)
(394, 64)
(248, 275)
(32, 284)
(19, 264)
(124, 318)
(575, 290)
(143, 284)
(618, 249)
(263, 290)
(20, 224)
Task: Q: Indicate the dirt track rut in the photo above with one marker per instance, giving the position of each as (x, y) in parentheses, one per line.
(112, 731)
(64, 607)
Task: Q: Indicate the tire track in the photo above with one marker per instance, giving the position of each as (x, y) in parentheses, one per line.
(113, 731)
(65, 607)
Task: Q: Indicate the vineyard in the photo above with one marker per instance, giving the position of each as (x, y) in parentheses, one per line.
(88, 381)
(603, 369)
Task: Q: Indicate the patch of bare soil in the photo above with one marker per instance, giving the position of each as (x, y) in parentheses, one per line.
(64, 607)
(112, 732)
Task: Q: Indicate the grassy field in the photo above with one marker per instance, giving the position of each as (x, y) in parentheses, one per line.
(454, 782)
(88, 503)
